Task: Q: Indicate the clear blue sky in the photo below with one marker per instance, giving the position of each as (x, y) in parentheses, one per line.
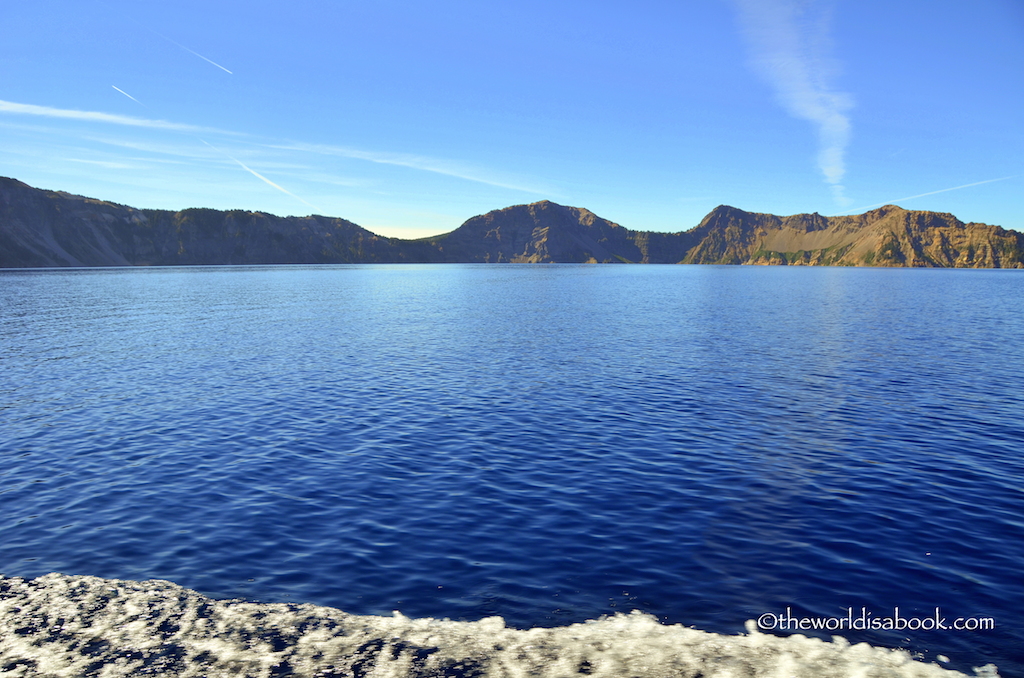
(410, 117)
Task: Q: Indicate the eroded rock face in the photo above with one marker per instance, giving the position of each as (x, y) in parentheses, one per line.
(49, 228)
(539, 233)
(888, 236)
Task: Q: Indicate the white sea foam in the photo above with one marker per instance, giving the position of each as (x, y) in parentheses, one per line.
(61, 625)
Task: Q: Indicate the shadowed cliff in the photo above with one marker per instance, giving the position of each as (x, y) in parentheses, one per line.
(51, 228)
(547, 232)
(40, 228)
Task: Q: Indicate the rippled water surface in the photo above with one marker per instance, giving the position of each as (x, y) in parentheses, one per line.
(546, 443)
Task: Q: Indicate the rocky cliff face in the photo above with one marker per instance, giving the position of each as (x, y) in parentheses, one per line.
(48, 228)
(546, 232)
(888, 236)
(538, 233)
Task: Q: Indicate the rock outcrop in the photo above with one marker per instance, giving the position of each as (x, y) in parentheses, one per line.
(40, 228)
(888, 236)
(547, 232)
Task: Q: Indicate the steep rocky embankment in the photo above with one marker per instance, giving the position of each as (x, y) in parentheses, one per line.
(888, 236)
(49, 228)
(547, 232)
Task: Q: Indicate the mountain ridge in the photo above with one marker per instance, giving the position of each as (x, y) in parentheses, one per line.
(44, 228)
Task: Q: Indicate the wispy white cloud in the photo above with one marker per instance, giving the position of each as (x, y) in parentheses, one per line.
(162, 161)
(789, 44)
(103, 163)
(418, 162)
(96, 116)
(312, 175)
(177, 150)
(921, 195)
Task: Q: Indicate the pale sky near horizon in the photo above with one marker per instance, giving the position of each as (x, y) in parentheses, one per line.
(408, 118)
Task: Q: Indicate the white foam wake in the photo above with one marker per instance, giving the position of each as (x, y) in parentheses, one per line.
(61, 625)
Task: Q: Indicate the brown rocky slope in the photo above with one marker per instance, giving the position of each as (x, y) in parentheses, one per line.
(40, 228)
(888, 236)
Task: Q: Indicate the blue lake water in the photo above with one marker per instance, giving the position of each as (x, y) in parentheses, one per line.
(547, 443)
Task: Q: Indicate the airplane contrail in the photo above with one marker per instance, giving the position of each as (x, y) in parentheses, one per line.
(921, 195)
(147, 28)
(401, 159)
(412, 161)
(128, 95)
(175, 42)
(196, 53)
(260, 176)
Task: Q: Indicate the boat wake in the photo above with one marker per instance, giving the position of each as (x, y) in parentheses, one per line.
(62, 625)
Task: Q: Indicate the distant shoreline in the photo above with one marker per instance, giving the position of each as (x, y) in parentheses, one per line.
(44, 229)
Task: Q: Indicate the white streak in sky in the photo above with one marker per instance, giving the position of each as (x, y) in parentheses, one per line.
(921, 195)
(174, 42)
(95, 116)
(416, 162)
(195, 53)
(128, 95)
(260, 176)
(412, 161)
(104, 163)
(788, 42)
